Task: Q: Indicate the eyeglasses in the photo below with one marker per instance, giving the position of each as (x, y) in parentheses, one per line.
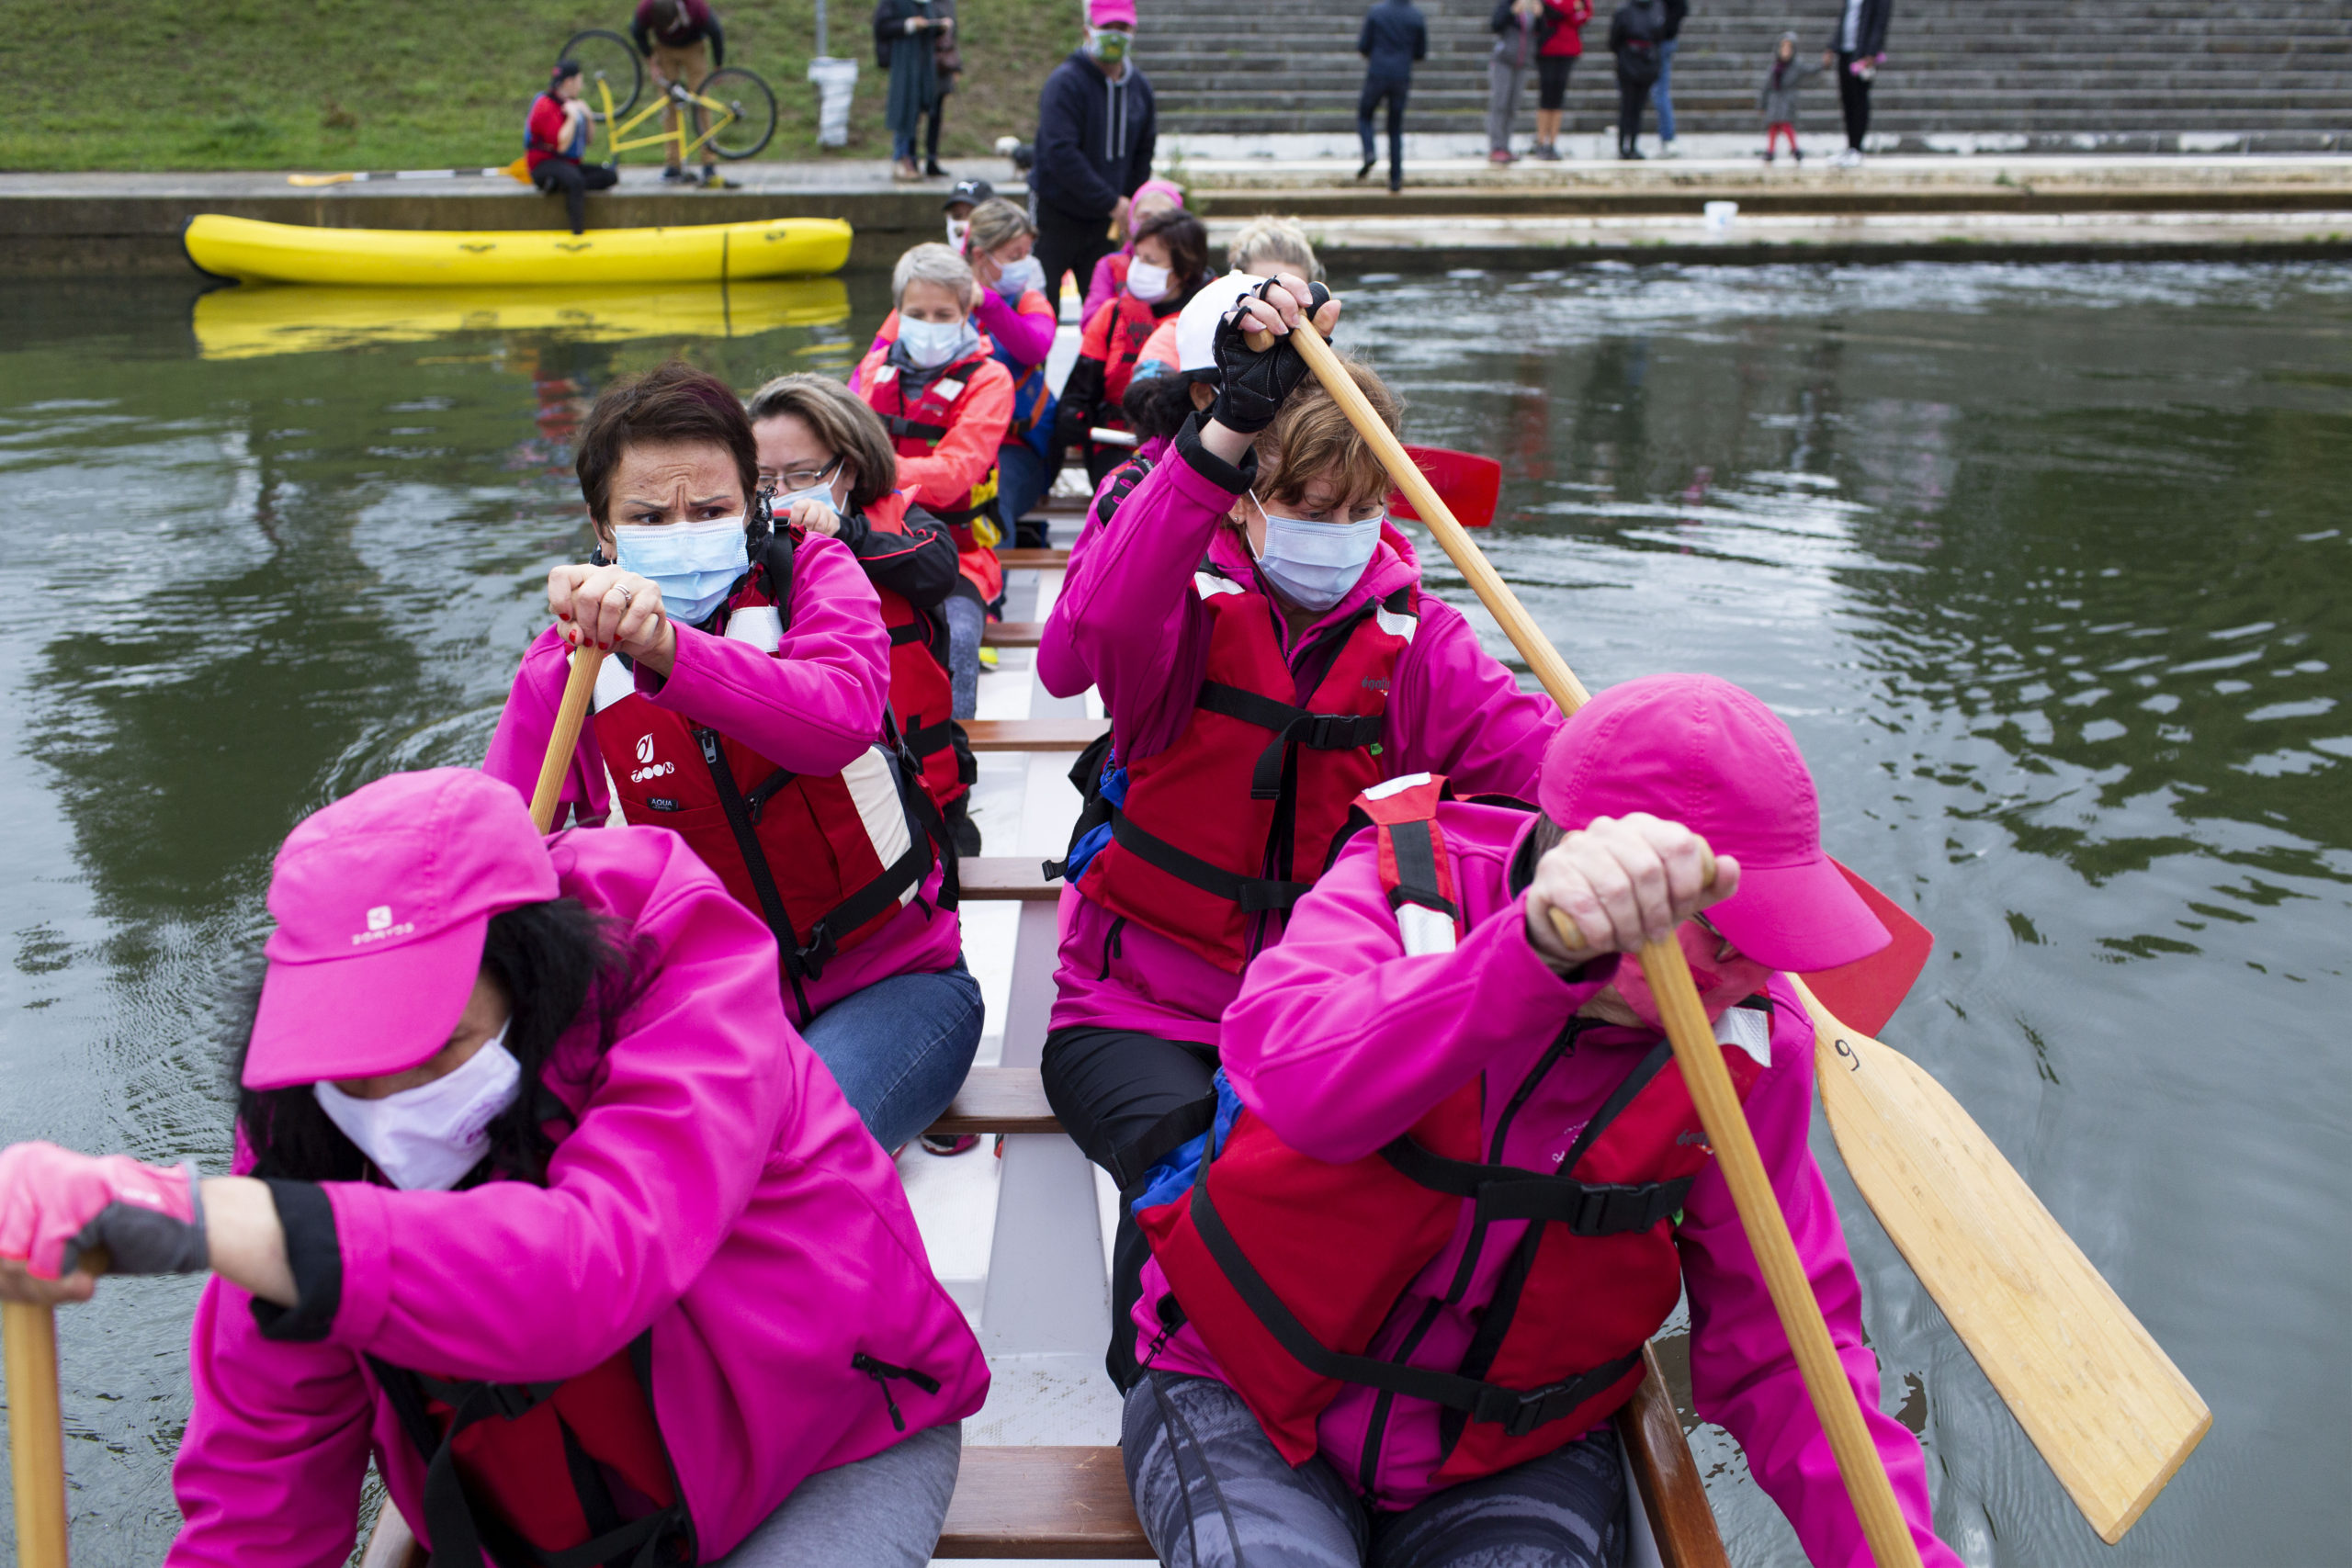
(798, 479)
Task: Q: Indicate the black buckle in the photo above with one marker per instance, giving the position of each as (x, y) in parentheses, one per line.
(1516, 1413)
(512, 1401)
(1338, 732)
(811, 960)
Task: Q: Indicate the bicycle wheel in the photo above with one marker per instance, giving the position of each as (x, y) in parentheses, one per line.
(612, 58)
(754, 107)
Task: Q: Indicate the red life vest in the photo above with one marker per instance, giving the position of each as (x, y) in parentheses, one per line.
(1132, 322)
(575, 1469)
(916, 428)
(921, 698)
(1288, 1267)
(1223, 831)
(827, 862)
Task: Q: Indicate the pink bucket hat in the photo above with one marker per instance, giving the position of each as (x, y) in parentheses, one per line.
(1110, 12)
(1699, 750)
(383, 900)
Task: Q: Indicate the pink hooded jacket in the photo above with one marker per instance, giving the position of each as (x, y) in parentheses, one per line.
(1341, 1043)
(812, 706)
(716, 1188)
(1130, 623)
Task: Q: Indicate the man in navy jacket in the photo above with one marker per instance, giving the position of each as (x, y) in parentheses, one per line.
(1392, 38)
(1096, 129)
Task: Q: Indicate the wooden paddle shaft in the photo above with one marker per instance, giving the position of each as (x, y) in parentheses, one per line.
(1551, 671)
(35, 1433)
(585, 663)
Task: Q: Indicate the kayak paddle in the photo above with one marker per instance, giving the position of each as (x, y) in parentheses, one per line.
(2110, 1412)
(518, 170)
(35, 1433)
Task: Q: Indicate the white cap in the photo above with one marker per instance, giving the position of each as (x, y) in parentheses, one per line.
(1197, 323)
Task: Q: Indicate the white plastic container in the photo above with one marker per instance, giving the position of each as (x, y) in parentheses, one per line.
(1721, 215)
(836, 82)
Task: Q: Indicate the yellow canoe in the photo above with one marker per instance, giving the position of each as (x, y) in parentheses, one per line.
(251, 322)
(255, 252)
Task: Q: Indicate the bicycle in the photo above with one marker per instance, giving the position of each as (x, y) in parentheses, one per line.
(739, 106)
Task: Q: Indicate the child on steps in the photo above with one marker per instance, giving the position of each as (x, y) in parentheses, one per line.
(1778, 97)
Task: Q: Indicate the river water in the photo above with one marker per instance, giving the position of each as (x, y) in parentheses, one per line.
(2049, 567)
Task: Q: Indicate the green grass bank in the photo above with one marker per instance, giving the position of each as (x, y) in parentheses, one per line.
(157, 85)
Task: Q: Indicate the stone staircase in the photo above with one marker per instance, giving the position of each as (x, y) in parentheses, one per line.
(2122, 75)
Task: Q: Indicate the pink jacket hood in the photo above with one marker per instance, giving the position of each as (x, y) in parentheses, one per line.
(716, 1190)
(1341, 1042)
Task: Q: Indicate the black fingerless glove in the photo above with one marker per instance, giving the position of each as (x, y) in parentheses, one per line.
(1253, 383)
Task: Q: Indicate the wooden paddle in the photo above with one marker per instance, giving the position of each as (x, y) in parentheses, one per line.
(520, 169)
(565, 737)
(35, 1433)
(2112, 1414)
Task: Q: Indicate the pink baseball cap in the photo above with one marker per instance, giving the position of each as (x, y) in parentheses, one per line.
(1111, 13)
(382, 901)
(1698, 751)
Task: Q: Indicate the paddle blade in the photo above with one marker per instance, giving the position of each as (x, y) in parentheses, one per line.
(1866, 992)
(520, 170)
(2110, 1413)
(1468, 484)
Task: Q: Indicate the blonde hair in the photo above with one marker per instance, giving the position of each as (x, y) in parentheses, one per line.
(997, 221)
(932, 263)
(1311, 439)
(1269, 238)
(843, 424)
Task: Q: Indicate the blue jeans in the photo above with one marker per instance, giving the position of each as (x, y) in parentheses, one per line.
(1662, 90)
(900, 1047)
(966, 621)
(1020, 483)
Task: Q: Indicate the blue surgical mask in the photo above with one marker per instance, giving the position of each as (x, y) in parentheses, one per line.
(1315, 565)
(781, 505)
(1016, 279)
(930, 344)
(693, 564)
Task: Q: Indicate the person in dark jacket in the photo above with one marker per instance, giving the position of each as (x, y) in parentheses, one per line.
(1096, 131)
(684, 42)
(1392, 38)
(1857, 48)
(906, 44)
(1635, 34)
(1662, 90)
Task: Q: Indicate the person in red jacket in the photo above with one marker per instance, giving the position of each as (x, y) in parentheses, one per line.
(948, 401)
(554, 136)
(1559, 28)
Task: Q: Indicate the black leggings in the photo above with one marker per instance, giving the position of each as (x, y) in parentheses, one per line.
(1127, 1099)
(930, 131)
(1552, 80)
(575, 180)
(1632, 98)
(1854, 99)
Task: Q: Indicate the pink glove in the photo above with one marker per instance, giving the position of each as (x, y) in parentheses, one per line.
(55, 1203)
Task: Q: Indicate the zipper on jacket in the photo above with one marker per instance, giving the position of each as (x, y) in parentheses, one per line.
(882, 1372)
(1375, 1432)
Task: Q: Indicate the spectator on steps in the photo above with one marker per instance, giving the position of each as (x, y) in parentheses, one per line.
(1110, 273)
(682, 41)
(906, 35)
(1560, 32)
(1662, 90)
(1096, 129)
(1635, 34)
(555, 136)
(1392, 38)
(1778, 97)
(1513, 25)
(1857, 48)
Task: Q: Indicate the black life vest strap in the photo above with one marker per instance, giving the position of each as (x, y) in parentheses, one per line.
(738, 812)
(1415, 848)
(1255, 894)
(1507, 1192)
(913, 429)
(906, 632)
(1292, 726)
(961, 516)
(1517, 1411)
(928, 739)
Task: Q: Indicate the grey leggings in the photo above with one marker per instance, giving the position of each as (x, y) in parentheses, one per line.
(882, 1512)
(966, 620)
(1213, 1493)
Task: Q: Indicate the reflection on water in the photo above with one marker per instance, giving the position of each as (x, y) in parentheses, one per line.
(2046, 565)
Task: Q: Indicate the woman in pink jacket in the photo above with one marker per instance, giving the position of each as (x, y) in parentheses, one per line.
(745, 710)
(1261, 642)
(1458, 1182)
(542, 1206)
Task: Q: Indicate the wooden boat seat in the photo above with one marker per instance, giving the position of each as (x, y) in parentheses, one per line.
(1032, 560)
(1042, 1503)
(1011, 634)
(1033, 734)
(1006, 879)
(998, 1099)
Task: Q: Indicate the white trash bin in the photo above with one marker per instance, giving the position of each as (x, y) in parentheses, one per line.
(836, 81)
(1722, 214)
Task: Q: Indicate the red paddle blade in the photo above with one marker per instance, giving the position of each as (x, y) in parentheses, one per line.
(1866, 992)
(1468, 484)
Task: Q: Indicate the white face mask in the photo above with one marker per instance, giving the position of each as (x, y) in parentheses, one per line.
(1145, 281)
(425, 1139)
(934, 343)
(1017, 277)
(956, 229)
(1315, 565)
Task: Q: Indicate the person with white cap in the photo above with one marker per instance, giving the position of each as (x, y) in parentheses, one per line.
(1262, 645)
(1455, 1183)
(542, 1206)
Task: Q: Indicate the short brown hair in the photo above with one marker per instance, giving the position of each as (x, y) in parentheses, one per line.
(1311, 439)
(1187, 243)
(671, 402)
(997, 221)
(841, 421)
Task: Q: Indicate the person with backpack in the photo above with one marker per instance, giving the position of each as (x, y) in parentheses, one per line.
(1454, 1182)
(1635, 35)
(1857, 48)
(1393, 37)
(1262, 644)
(537, 1203)
(743, 706)
(555, 138)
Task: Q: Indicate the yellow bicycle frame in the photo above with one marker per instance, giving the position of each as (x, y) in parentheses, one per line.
(618, 139)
